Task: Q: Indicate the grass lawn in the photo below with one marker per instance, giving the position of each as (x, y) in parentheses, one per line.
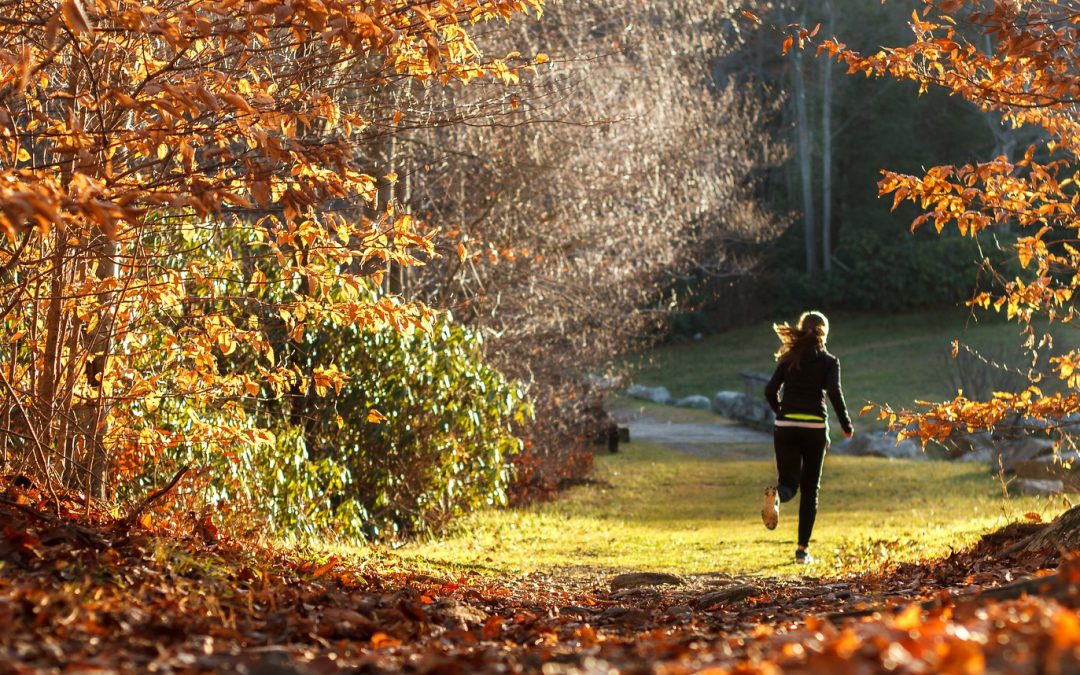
(665, 510)
(894, 359)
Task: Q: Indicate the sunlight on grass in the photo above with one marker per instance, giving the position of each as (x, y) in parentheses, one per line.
(665, 510)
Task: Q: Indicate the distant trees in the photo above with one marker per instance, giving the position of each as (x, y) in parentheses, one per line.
(840, 131)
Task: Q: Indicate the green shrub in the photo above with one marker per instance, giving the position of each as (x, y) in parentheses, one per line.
(445, 442)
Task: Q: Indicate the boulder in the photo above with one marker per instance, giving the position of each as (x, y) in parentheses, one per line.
(878, 444)
(1028, 486)
(724, 402)
(653, 394)
(754, 411)
(964, 446)
(1047, 467)
(640, 579)
(1007, 454)
(699, 402)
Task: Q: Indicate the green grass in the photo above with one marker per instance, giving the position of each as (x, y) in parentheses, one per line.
(886, 359)
(667, 511)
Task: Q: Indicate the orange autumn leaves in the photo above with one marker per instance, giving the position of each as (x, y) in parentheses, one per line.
(188, 189)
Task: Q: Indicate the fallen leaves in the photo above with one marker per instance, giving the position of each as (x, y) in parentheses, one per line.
(178, 601)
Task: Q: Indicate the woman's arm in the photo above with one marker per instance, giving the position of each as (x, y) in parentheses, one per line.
(836, 395)
(772, 389)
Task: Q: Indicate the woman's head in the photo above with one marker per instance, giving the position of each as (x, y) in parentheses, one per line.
(807, 337)
(815, 322)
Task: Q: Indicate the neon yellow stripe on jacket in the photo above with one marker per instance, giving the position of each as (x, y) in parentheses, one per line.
(801, 416)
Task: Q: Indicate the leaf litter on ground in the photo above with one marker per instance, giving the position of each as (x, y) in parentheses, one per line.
(89, 592)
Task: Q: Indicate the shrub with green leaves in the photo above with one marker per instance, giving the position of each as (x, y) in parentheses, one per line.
(442, 440)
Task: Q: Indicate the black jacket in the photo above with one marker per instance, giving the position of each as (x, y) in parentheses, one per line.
(805, 386)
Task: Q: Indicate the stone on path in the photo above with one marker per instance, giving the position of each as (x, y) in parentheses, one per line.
(729, 594)
(653, 394)
(641, 579)
(627, 616)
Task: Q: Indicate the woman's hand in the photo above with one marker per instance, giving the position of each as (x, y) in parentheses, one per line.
(849, 434)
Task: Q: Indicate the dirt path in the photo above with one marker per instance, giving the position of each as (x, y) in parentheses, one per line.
(697, 432)
(677, 434)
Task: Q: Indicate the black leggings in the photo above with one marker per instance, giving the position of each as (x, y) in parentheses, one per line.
(800, 453)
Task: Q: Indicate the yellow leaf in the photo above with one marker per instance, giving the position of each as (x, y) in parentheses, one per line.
(375, 417)
(24, 155)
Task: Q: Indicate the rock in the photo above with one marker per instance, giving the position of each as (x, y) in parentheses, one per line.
(699, 402)
(752, 411)
(963, 446)
(640, 579)
(653, 394)
(723, 403)
(1007, 454)
(982, 455)
(680, 610)
(878, 444)
(458, 615)
(729, 594)
(1028, 486)
(570, 610)
(1065, 469)
(627, 616)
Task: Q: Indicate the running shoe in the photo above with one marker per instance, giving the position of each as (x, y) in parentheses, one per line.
(770, 510)
(803, 557)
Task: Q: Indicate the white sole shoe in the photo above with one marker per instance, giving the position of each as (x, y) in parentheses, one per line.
(770, 509)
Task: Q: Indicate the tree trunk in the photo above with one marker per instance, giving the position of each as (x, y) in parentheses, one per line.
(92, 413)
(826, 152)
(802, 131)
(1063, 534)
(384, 200)
(46, 393)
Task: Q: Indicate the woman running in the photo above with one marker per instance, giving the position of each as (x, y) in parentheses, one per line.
(806, 372)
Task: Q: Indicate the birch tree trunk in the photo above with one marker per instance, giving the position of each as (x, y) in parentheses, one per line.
(802, 131)
(826, 152)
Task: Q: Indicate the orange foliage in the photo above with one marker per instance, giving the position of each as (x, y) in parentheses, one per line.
(184, 190)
